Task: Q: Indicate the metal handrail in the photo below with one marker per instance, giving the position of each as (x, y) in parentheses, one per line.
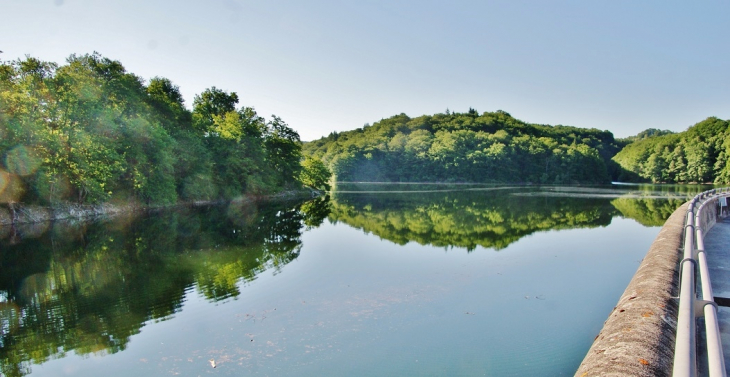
(685, 358)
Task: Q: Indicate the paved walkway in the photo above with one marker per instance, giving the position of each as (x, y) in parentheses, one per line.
(717, 246)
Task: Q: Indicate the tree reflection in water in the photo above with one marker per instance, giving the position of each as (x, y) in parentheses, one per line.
(467, 219)
(452, 216)
(86, 288)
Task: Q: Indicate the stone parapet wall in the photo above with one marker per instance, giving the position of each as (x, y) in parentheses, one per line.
(638, 337)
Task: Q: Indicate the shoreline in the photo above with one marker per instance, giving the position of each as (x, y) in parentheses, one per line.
(19, 213)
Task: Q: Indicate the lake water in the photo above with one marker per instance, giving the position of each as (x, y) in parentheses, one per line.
(387, 280)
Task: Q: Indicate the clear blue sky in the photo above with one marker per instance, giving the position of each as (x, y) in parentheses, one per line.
(326, 66)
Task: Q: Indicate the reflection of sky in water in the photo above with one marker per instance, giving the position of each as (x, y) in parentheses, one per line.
(352, 304)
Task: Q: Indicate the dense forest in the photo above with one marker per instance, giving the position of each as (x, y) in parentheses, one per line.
(647, 133)
(468, 147)
(89, 131)
(699, 154)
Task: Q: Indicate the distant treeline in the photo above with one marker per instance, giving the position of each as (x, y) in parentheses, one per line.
(468, 147)
(495, 147)
(647, 133)
(89, 131)
(699, 154)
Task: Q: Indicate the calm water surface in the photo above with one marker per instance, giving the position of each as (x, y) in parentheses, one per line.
(376, 280)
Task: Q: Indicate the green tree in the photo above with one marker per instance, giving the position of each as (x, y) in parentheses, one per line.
(315, 174)
(468, 147)
(89, 131)
(695, 155)
(283, 150)
(212, 102)
(234, 140)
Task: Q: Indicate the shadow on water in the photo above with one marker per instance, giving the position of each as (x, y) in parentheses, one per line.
(87, 288)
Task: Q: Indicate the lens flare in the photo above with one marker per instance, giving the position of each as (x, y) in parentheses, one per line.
(4, 180)
(11, 187)
(242, 213)
(21, 161)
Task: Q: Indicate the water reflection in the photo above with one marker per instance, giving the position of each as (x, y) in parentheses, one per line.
(495, 217)
(647, 212)
(88, 288)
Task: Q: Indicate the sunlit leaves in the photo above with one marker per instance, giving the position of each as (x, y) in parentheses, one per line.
(212, 102)
(90, 131)
(696, 155)
(227, 126)
(491, 147)
(315, 174)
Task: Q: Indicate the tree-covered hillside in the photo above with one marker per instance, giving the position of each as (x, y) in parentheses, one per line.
(467, 147)
(647, 133)
(89, 131)
(699, 154)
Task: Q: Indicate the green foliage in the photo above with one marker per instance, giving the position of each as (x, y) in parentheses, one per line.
(647, 133)
(648, 212)
(316, 211)
(89, 131)
(315, 174)
(454, 147)
(699, 154)
(284, 151)
(168, 104)
(212, 102)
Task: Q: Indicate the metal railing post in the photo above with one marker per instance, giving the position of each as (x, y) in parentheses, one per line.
(685, 358)
(695, 261)
(715, 357)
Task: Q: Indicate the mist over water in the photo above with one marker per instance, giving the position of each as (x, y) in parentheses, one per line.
(426, 279)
